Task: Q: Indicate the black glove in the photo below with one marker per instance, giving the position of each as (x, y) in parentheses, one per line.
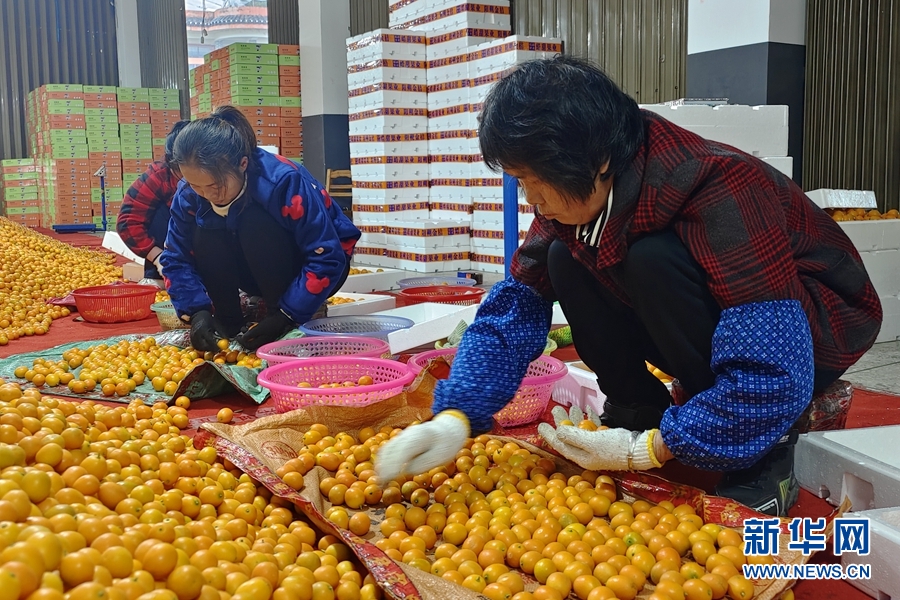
(204, 336)
(268, 330)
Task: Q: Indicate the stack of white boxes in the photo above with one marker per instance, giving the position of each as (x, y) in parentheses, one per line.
(487, 62)
(761, 131)
(468, 48)
(388, 135)
(878, 243)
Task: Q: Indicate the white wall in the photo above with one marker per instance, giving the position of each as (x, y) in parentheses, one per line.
(720, 24)
(128, 47)
(323, 56)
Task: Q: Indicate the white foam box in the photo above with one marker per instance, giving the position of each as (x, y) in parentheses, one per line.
(389, 144)
(433, 322)
(861, 464)
(430, 260)
(443, 142)
(828, 198)
(428, 236)
(389, 194)
(448, 166)
(448, 203)
(366, 283)
(444, 70)
(883, 267)
(384, 69)
(113, 242)
(757, 130)
(414, 168)
(363, 304)
(783, 164)
(456, 94)
(386, 43)
(884, 553)
(890, 326)
(404, 14)
(870, 236)
(451, 43)
(453, 119)
(388, 95)
(579, 388)
(132, 271)
(369, 254)
(486, 219)
(486, 240)
(382, 121)
(380, 212)
(371, 234)
(489, 260)
(466, 19)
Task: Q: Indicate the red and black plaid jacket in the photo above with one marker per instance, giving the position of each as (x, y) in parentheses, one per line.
(155, 188)
(752, 229)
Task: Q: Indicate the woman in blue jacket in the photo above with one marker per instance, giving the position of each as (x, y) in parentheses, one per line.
(245, 219)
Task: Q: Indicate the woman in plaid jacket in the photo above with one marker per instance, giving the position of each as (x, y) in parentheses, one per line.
(665, 247)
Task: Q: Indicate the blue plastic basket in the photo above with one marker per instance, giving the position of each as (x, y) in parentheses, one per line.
(425, 281)
(375, 326)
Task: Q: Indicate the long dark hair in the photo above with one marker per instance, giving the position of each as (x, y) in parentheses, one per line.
(560, 119)
(217, 144)
(170, 142)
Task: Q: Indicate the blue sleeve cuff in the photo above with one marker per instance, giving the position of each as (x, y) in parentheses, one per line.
(509, 331)
(762, 357)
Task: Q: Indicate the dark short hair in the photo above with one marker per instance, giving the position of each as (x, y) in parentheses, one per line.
(170, 139)
(216, 144)
(560, 119)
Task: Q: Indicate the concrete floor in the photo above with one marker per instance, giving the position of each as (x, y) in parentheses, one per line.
(878, 369)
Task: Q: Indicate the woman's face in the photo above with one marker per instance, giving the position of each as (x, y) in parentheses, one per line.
(206, 186)
(552, 204)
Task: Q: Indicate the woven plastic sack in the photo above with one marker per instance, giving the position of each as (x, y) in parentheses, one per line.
(260, 447)
(828, 410)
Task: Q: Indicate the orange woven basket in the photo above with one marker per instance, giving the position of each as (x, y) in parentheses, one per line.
(115, 303)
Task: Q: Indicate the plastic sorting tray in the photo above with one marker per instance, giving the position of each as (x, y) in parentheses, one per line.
(432, 322)
(884, 553)
(579, 388)
(860, 464)
(363, 304)
(373, 282)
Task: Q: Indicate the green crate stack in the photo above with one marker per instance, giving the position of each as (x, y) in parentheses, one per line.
(56, 115)
(263, 81)
(19, 191)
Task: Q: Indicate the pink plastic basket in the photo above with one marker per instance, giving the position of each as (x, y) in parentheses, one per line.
(531, 398)
(311, 347)
(281, 380)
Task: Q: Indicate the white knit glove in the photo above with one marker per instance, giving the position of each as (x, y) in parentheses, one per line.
(423, 447)
(601, 450)
(158, 265)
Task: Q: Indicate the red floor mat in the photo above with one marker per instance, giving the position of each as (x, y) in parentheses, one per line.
(869, 409)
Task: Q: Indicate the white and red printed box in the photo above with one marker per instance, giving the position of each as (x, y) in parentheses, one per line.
(428, 235)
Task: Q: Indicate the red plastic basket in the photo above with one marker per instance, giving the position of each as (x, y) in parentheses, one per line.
(531, 398)
(443, 294)
(115, 303)
(281, 380)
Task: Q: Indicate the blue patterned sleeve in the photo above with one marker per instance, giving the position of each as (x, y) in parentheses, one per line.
(509, 331)
(763, 361)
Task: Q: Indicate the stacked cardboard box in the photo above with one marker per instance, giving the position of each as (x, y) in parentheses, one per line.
(263, 81)
(77, 130)
(57, 127)
(19, 191)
